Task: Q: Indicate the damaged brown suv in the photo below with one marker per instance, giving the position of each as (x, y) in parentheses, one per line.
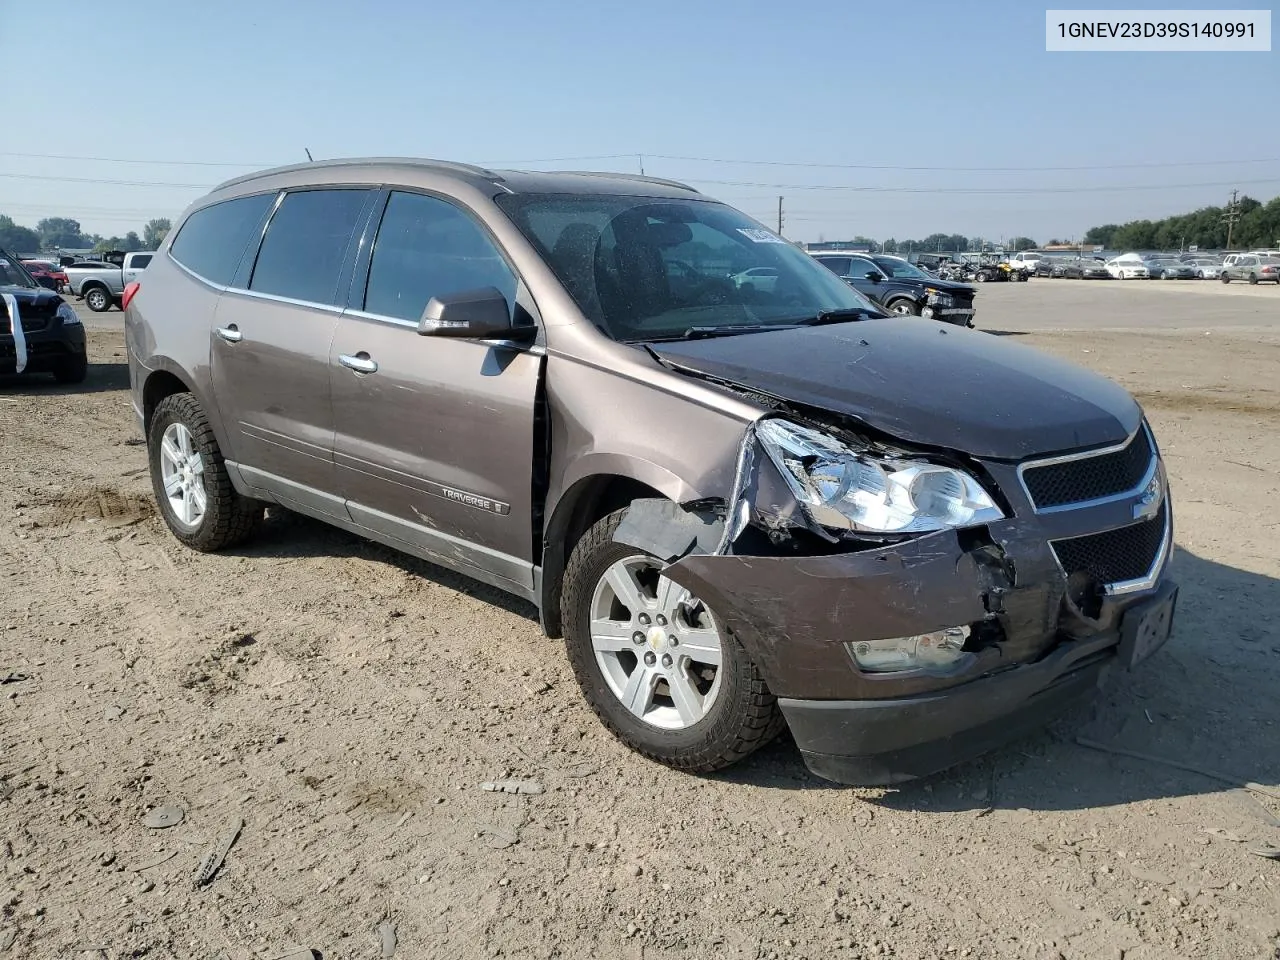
(743, 506)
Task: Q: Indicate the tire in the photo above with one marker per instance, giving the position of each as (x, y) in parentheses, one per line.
(1199, 274)
(98, 299)
(742, 716)
(227, 518)
(1225, 278)
(980, 276)
(1253, 279)
(903, 307)
(72, 370)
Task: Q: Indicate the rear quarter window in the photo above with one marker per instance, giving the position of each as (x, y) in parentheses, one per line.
(212, 240)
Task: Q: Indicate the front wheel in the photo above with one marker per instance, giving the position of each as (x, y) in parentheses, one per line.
(72, 370)
(1225, 278)
(904, 308)
(654, 663)
(1253, 278)
(189, 476)
(97, 299)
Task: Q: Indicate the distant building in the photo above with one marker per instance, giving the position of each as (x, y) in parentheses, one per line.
(834, 246)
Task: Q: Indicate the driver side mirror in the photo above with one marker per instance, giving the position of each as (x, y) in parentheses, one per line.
(874, 276)
(482, 314)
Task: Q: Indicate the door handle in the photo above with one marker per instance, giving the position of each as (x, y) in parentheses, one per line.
(360, 363)
(230, 333)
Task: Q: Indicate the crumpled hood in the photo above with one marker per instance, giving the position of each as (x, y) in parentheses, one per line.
(925, 383)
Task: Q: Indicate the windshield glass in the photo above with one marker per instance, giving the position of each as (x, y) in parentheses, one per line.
(642, 268)
(900, 268)
(13, 274)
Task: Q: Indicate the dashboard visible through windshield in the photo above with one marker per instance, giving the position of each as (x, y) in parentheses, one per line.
(642, 268)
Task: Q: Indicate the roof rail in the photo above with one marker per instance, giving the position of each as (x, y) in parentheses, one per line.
(638, 177)
(444, 165)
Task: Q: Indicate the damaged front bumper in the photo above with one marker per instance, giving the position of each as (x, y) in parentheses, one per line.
(1039, 642)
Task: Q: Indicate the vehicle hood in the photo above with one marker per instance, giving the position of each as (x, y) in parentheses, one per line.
(945, 286)
(924, 383)
(37, 303)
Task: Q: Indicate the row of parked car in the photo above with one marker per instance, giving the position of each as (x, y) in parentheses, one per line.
(1258, 267)
(100, 283)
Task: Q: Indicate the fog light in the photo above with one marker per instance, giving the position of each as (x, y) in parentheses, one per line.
(942, 650)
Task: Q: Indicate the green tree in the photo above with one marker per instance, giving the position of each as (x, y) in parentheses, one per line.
(1103, 236)
(131, 241)
(1021, 243)
(60, 232)
(154, 232)
(17, 240)
(889, 246)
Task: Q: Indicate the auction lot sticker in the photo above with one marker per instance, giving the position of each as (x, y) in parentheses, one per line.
(1168, 31)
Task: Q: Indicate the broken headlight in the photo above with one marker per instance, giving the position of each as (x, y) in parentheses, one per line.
(844, 489)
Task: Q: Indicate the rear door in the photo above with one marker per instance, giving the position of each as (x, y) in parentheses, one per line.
(434, 437)
(134, 264)
(271, 336)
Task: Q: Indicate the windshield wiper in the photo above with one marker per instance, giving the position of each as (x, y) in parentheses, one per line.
(842, 315)
(722, 330)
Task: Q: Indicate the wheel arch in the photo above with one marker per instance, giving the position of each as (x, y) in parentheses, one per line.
(584, 502)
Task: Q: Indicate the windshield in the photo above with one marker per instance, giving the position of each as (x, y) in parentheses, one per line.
(900, 268)
(13, 274)
(642, 268)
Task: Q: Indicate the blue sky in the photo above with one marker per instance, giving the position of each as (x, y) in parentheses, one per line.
(928, 84)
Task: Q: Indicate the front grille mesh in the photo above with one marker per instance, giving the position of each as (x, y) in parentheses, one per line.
(1113, 556)
(29, 325)
(1089, 478)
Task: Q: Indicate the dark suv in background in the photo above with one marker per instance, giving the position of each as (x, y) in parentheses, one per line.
(48, 338)
(903, 288)
(744, 503)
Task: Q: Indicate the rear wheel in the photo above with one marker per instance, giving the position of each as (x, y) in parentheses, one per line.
(72, 370)
(1225, 278)
(190, 479)
(661, 673)
(1253, 278)
(97, 299)
(904, 307)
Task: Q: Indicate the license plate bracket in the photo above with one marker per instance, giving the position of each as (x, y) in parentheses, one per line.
(1146, 628)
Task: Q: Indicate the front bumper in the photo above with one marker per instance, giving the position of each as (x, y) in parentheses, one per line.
(1036, 648)
(46, 349)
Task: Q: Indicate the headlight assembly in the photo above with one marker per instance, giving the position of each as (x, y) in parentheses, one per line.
(67, 314)
(844, 489)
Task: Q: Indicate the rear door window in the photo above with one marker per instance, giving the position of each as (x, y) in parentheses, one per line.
(837, 265)
(427, 247)
(306, 243)
(213, 240)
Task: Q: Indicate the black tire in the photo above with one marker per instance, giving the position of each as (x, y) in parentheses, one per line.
(1225, 278)
(744, 716)
(904, 307)
(98, 299)
(229, 518)
(72, 370)
(1253, 279)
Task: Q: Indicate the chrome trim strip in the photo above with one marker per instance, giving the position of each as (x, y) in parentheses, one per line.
(308, 304)
(1126, 587)
(1087, 455)
(534, 349)
(195, 276)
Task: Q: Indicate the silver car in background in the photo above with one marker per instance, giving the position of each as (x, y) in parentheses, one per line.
(1206, 268)
(1168, 268)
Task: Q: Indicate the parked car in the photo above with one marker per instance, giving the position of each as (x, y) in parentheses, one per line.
(1206, 268)
(1123, 269)
(903, 288)
(47, 336)
(1068, 268)
(906, 542)
(101, 284)
(1252, 268)
(45, 274)
(1169, 268)
(763, 279)
(1045, 267)
(1026, 262)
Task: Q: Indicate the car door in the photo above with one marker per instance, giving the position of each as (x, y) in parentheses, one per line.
(859, 269)
(270, 356)
(434, 436)
(134, 264)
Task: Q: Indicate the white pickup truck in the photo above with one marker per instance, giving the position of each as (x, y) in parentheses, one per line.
(101, 283)
(1025, 262)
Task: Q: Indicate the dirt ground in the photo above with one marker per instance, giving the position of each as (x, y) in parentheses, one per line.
(346, 703)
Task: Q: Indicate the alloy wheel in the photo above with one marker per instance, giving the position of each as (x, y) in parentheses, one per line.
(182, 475)
(657, 646)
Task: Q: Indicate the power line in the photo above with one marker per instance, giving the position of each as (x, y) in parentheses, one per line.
(889, 166)
(263, 164)
(977, 191)
(114, 183)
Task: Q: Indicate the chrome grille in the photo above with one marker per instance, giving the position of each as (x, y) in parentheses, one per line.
(1086, 477)
(1115, 556)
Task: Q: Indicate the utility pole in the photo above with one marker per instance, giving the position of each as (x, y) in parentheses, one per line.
(640, 157)
(1232, 216)
(779, 216)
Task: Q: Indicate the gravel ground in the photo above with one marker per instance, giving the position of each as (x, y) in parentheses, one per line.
(346, 703)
